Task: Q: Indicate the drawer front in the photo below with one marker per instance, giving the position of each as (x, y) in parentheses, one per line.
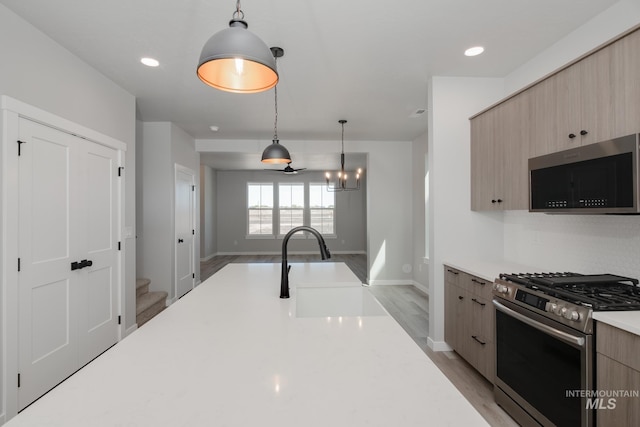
(477, 286)
(619, 345)
(481, 357)
(622, 410)
(452, 275)
(482, 318)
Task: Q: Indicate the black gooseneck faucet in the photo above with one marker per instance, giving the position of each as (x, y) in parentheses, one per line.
(284, 276)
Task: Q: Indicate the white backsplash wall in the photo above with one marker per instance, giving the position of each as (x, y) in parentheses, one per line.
(589, 244)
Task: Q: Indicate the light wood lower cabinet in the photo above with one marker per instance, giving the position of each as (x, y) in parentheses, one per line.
(469, 319)
(618, 371)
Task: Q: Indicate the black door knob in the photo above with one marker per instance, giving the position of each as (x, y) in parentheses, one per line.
(180, 241)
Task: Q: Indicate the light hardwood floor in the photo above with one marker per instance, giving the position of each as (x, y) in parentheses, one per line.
(409, 306)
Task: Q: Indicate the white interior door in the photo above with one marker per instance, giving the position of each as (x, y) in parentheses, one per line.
(48, 306)
(98, 321)
(184, 230)
(67, 214)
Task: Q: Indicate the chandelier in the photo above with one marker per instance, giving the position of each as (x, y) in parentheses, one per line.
(342, 178)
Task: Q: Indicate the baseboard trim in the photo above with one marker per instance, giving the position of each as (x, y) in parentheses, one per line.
(421, 287)
(130, 330)
(207, 258)
(438, 345)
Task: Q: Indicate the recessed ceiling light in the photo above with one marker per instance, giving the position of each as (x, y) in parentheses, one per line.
(150, 62)
(214, 128)
(473, 51)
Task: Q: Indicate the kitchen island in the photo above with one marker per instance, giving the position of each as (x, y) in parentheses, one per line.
(232, 353)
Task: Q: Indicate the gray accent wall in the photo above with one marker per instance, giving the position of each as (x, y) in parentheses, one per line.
(231, 215)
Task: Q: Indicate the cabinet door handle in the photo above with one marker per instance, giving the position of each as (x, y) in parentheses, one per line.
(460, 297)
(583, 132)
(452, 272)
(572, 135)
(478, 302)
(476, 338)
(499, 200)
(479, 282)
(494, 201)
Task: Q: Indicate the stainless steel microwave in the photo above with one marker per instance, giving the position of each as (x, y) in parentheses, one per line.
(594, 178)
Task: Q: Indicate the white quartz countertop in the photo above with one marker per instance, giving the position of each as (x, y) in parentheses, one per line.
(232, 353)
(626, 320)
(490, 270)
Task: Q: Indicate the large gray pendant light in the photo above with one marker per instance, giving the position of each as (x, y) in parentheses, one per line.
(276, 153)
(236, 60)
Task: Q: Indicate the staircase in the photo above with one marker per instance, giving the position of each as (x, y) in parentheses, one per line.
(148, 304)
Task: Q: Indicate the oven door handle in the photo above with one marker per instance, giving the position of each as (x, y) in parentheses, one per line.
(561, 335)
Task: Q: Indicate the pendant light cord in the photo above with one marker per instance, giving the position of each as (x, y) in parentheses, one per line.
(275, 91)
(238, 14)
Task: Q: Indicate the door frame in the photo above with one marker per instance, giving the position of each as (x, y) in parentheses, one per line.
(12, 110)
(179, 168)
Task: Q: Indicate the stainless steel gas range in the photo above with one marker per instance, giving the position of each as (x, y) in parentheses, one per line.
(545, 342)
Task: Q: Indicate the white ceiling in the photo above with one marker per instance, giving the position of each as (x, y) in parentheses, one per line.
(367, 61)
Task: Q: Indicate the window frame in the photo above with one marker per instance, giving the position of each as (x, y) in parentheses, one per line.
(323, 192)
(250, 235)
(304, 208)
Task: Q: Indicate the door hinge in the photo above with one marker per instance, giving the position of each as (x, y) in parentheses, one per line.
(18, 380)
(193, 188)
(18, 264)
(193, 232)
(119, 320)
(20, 145)
(193, 275)
(120, 169)
(119, 246)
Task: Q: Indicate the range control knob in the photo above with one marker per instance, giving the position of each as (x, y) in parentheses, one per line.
(501, 289)
(561, 310)
(571, 315)
(552, 307)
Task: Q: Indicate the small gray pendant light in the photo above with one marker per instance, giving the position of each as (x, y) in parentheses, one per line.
(236, 60)
(276, 153)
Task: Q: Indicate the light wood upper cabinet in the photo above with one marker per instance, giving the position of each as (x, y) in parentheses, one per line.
(625, 77)
(592, 100)
(499, 153)
(484, 162)
(573, 107)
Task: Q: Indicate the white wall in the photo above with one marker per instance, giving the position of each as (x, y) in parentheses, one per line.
(39, 72)
(389, 199)
(162, 145)
(419, 220)
(208, 204)
(455, 232)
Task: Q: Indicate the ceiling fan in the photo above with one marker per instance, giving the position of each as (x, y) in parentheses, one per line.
(288, 170)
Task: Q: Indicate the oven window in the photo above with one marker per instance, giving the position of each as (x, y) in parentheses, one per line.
(540, 368)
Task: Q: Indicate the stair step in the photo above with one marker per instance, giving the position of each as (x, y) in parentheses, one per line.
(150, 298)
(150, 313)
(142, 287)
